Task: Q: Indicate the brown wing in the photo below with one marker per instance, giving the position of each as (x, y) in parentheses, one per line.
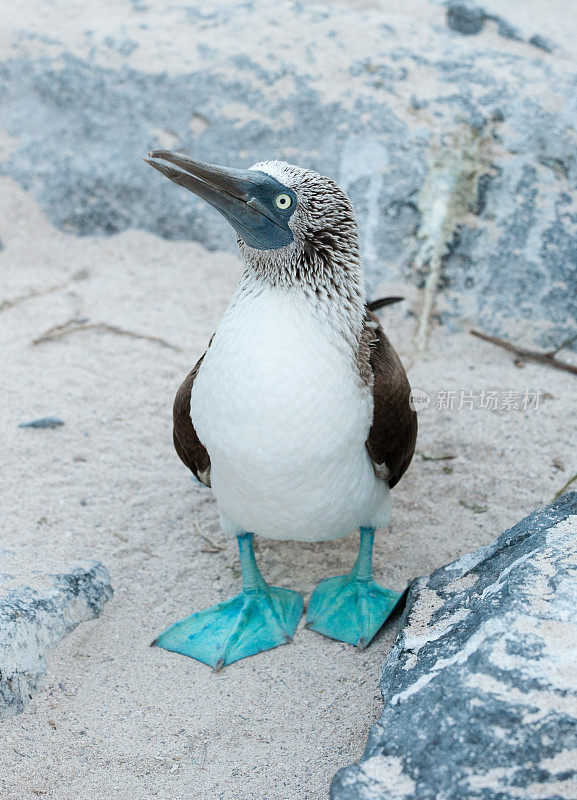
(393, 434)
(186, 443)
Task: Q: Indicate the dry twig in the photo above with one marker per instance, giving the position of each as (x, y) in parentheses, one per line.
(22, 298)
(75, 325)
(214, 547)
(81, 275)
(549, 358)
(425, 457)
(566, 486)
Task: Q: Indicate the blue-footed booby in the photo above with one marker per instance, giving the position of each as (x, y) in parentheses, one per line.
(298, 414)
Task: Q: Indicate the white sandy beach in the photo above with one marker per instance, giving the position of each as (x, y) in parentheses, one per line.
(115, 719)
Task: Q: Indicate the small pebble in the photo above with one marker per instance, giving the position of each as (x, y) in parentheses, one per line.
(43, 422)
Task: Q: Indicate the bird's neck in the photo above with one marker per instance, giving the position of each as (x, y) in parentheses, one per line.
(338, 304)
(335, 291)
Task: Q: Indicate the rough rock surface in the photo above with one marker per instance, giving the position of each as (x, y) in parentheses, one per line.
(37, 608)
(455, 135)
(480, 691)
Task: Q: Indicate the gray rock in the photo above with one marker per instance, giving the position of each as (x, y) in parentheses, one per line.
(480, 690)
(460, 159)
(37, 608)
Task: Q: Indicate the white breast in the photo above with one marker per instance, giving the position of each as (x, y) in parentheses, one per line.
(280, 407)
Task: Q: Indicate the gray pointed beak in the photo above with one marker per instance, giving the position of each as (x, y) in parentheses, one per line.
(245, 197)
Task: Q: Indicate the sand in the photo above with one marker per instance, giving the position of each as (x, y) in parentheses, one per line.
(116, 719)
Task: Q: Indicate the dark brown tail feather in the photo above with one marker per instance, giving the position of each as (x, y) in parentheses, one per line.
(374, 305)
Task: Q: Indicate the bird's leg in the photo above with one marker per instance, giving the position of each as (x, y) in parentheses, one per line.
(352, 608)
(259, 618)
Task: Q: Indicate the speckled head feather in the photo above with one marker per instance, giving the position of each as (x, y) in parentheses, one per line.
(324, 259)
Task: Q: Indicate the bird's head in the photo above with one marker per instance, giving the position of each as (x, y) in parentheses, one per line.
(293, 225)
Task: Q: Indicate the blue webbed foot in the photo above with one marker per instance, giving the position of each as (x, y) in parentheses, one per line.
(237, 628)
(352, 608)
(259, 618)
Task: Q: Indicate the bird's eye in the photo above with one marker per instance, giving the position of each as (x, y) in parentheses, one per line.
(283, 201)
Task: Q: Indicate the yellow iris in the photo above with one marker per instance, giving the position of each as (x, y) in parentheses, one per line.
(283, 201)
